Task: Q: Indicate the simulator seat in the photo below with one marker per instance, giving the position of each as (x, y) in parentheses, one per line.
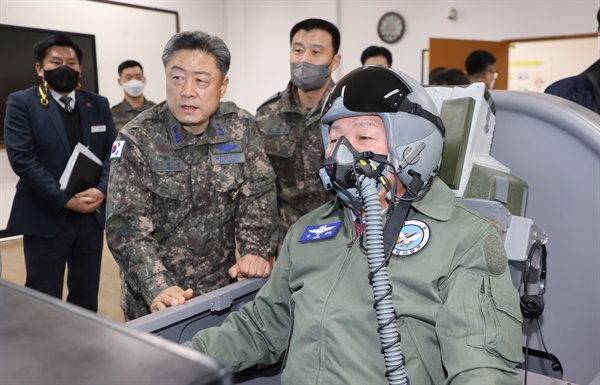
(481, 182)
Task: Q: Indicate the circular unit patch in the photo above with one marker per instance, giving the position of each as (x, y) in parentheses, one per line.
(413, 237)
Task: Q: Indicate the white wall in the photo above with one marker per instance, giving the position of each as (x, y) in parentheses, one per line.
(257, 33)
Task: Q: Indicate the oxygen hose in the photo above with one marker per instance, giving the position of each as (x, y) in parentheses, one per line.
(382, 290)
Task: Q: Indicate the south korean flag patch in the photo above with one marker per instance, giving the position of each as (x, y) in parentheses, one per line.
(117, 149)
(413, 237)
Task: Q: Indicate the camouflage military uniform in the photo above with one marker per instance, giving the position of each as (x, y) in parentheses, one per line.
(177, 203)
(294, 144)
(123, 113)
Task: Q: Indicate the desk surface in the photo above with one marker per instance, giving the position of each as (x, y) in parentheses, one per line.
(46, 341)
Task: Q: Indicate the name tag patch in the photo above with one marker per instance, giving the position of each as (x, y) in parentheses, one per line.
(320, 232)
(99, 128)
(227, 153)
(413, 237)
(277, 131)
(168, 165)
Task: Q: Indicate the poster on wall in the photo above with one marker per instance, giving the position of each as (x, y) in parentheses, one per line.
(532, 75)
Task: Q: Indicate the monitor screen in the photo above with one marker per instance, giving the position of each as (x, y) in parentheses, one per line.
(17, 67)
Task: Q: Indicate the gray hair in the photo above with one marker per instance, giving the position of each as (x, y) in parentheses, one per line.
(199, 41)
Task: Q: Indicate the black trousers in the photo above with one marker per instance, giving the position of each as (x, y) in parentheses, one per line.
(79, 247)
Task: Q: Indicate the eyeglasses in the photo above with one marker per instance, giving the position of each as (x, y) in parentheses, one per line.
(495, 73)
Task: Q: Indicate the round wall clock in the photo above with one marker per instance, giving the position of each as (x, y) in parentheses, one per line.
(390, 27)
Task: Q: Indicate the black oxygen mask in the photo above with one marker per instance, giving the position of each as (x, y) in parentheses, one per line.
(344, 165)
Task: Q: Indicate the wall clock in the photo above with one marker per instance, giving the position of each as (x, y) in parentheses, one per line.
(390, 27)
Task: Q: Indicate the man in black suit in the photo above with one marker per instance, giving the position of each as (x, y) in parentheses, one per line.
(43, 124)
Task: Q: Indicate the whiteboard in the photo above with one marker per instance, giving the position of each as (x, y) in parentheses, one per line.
(122, 32)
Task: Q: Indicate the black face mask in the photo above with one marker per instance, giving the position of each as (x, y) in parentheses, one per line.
(62, 79)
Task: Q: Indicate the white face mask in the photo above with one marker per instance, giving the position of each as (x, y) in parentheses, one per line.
(134, 87)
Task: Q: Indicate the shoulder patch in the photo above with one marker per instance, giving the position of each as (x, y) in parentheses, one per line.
(117, 149)
(270, 99)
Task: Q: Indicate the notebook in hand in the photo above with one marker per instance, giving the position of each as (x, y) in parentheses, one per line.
(82, 171)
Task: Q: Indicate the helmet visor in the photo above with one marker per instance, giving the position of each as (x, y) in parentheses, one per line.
(375, 90)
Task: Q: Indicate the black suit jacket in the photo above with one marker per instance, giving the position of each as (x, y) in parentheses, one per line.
(38, 151)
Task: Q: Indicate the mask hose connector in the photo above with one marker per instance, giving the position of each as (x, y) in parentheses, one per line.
(382, 290)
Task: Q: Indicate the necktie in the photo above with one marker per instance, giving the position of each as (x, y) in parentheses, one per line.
(359, 229)
(67, 102)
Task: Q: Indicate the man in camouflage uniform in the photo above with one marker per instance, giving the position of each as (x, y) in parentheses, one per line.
(188, 179)
(289, 120)
(133, 81)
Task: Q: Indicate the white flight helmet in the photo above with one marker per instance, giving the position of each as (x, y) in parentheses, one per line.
(415, 132)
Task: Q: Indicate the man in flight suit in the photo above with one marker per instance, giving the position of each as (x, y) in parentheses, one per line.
(454, 310)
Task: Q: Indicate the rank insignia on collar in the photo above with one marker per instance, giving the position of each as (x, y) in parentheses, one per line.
(413, 237)
(320, 232)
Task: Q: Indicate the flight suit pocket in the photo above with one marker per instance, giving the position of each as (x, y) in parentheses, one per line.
(497, 328)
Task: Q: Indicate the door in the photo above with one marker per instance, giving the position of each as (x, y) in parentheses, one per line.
(451, 53)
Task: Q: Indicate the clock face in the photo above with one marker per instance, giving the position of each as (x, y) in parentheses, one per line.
(390, 27)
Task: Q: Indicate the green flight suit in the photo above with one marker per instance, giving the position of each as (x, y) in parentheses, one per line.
(458, 311)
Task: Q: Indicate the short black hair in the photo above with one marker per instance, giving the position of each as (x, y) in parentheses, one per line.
(449, 77)
(478, 62)
(310, 24)
(435, 72)
(129, 64)
(373, 50)
(40, 48)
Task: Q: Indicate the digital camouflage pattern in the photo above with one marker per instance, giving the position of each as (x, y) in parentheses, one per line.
(123, 113)
(294, 143)
(177, 203)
